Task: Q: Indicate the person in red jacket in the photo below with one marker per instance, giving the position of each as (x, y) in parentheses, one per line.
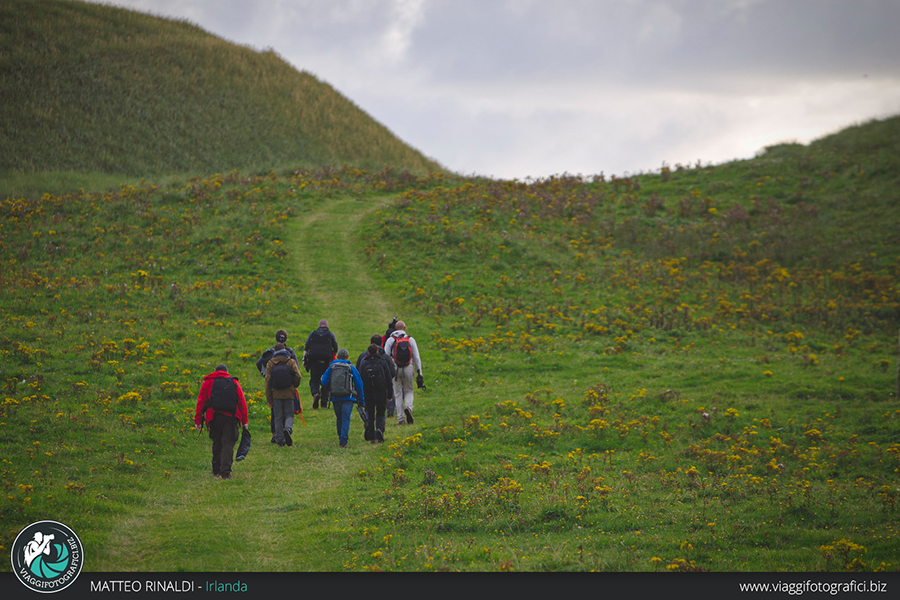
(221, 404)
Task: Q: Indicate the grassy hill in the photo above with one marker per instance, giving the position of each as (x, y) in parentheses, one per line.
(85, 88)
(687, 371)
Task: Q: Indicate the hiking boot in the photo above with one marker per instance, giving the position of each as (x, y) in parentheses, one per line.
(343, 444)
(408, 414)
(288, 441)
(379, 435)
(315, 401)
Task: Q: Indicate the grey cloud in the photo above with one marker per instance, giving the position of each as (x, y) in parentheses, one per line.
(642, 42)
(659, 42)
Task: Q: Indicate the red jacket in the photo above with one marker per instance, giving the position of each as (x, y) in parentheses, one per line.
(203, 397)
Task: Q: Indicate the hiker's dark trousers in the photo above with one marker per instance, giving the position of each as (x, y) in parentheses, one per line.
(223, 431)
(316, 370)
(375, 410)
(283, 413)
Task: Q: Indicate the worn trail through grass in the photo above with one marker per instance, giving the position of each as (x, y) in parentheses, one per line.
(283, 508)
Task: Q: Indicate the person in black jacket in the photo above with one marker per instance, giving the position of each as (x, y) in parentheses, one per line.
(320, 349)
(280, 337)
(377, 387)
(378, 341)
(390, 329)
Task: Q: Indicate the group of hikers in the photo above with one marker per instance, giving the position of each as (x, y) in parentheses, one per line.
(380, 384)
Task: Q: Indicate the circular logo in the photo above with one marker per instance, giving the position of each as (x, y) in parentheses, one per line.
(47, 556)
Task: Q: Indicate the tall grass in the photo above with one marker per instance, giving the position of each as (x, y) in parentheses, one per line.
(90, 87)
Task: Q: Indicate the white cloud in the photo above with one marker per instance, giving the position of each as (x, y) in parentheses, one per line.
(406, 16)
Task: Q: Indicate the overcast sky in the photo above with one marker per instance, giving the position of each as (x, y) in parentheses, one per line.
(532, 88)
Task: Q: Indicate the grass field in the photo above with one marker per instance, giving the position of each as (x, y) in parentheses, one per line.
(693, 370)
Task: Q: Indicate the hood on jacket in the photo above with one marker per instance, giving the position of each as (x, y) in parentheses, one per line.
(218, 375)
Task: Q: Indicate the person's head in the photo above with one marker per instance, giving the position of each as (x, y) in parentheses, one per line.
(400, 326)
(221, 367)
(281, 336)
(373, 349)
(323, 323)
(343, 354)
(376, 339)
(279, 346)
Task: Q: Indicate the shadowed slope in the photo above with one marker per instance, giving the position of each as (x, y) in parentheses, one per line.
(87, 87)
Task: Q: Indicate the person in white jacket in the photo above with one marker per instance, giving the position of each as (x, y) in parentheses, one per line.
(405, 353)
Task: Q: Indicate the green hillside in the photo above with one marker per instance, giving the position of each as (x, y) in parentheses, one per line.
(91, 88)
(693, 370)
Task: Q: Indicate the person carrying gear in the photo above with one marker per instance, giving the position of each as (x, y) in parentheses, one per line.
(342, 384)
(402, 349)
(377, 386)
(280, 337)
(318, 352)
(222, 406)
(282, 378)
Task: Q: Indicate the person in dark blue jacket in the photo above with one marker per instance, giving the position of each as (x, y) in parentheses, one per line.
(344, 386)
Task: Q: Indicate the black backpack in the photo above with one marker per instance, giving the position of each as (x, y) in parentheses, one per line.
(281, 377)
(342, 385)
(264, 360)
(372, 375)
(319, 346)
(224, 396)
